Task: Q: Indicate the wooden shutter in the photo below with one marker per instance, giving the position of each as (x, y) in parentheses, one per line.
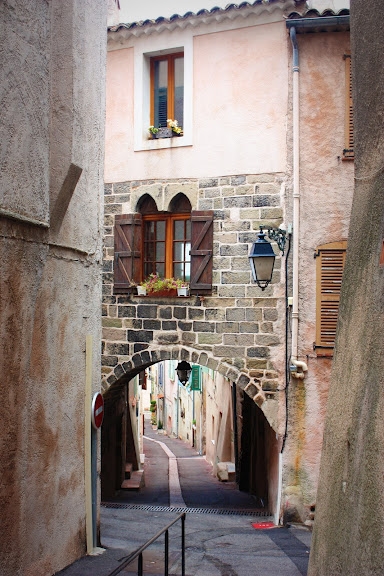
(127, 261)
(201, 252)
(348, 151)
(330, 266)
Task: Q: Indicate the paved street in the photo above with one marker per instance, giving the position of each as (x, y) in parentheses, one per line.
(220, 537)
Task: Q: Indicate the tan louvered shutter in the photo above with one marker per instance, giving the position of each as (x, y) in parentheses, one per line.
(330, 266)
(348, 151)
(127, 260)
(201, 251)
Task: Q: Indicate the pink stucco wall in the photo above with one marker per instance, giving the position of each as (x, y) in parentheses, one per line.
(240, 99)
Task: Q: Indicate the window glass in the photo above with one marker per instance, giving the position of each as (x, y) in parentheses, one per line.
(161, 92)
(179, 90)
(167, 89)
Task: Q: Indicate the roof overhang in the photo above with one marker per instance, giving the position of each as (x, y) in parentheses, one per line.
(304, 24)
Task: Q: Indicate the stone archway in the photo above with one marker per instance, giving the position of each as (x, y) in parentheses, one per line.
(248, 381)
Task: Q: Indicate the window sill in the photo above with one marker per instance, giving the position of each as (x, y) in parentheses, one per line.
(162, 143)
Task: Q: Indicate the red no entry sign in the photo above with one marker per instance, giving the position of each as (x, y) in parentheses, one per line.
(97, 410)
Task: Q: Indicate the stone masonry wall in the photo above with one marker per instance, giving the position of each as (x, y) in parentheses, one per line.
(239, 330)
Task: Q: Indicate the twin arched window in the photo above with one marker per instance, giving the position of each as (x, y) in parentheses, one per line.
(177, 243)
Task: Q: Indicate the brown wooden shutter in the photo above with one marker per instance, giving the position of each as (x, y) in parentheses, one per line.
(348, 151)
(201, 252)
(330, 266)
(127, 261)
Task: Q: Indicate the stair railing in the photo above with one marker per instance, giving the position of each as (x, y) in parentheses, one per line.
(139, 552)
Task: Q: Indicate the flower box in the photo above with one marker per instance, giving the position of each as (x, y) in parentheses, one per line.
(163, 133)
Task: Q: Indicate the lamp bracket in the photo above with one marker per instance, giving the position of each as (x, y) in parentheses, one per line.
(276, 234)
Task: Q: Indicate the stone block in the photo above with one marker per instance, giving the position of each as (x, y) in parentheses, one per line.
(208, 338)
(266, 327)
(165, 313)
(258, 352)
(233, 314)
(237, 226)
(271, 213)
(253, 314)
(111, 323)
(234, 250)
(224, 181)
(257, 364)
(152, 324)
(206, 204)
(249, 327)
(237, 180)
(214, 314)
(116, 349)
(251, 390)
(107, 189)
(236, 277)
(195, 313)
(115, 334)
(245, 189)
(211, 192)
(188, 337)
(267, 339)
(140, 335)
(147, 311)
(238, 339)
(258, 374)
(169, 325)
(270, 314)
(167, 338)
(180, 312)
(264, 200)
(126, 311)
(259, 178)
(270, 385)
(212, 363)
(240, 263)
(203, 326)
(227, 327)
(184, 326)
(112, 311)
(221, 262)
(228, 191)
(229, 351)
(243, 381)
(109, 360)
(238, 202)
(121, 188)
(218, 203)
(140, 347)
(133, 323)
(208, 182)
(250, 214)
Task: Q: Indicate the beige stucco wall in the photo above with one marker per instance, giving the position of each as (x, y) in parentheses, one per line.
(53, 57)
(348, 534)
(326, 189)
(240, 95)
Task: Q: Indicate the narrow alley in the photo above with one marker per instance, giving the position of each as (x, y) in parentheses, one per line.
(226, 534)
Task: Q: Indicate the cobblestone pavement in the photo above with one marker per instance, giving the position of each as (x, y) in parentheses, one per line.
(220, 537)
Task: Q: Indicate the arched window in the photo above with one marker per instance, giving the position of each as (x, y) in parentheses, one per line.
(175, 243)
(167, 238)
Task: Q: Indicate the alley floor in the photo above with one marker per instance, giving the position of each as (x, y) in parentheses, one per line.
(225, 534)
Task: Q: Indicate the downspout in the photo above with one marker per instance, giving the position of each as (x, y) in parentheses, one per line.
(296, 195)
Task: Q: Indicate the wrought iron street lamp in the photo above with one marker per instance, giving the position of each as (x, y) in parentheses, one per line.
(183, 370)
(262, 256)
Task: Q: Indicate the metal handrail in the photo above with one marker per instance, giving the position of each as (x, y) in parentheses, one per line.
(139, 552)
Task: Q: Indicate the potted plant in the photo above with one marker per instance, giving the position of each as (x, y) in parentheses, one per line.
(182, 288)
(174, 126)
(154, 131)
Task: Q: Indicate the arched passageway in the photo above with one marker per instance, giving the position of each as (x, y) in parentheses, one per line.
(224, 424)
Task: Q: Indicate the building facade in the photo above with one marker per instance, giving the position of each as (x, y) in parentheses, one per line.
(52, 130)
(258, 148)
